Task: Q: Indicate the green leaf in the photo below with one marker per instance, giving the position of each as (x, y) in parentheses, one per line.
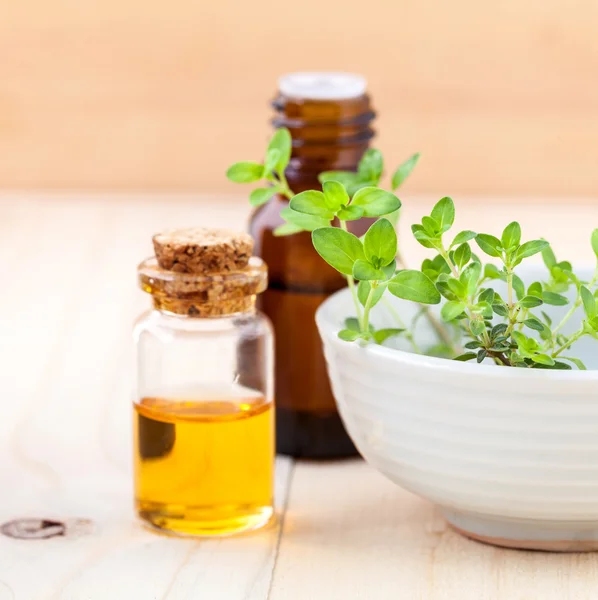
(489, 244)
(499, 329)
(543, 359)
(511, 236)
(535, 289)
(287, 229)
(414, 286)
(445, 290)
(282, 142)
(335, 195)
(520, 339)
(350, 213)
(554, 299)
(349, 335)
(272, 158)
(487, 296)
(363, 291)
(564, 265)
(492, 272)
(311, 202)
(451, 310)
(548, 257)
(382, 335)
(477, 327)
(364, 271)
(482, 354)
(465, 357)
(340, 249)
(589, 302)
(347, 178)
(547, 319)
(529, 249)
(535, 324)
(518, 286)
(471, 276)
(375, 202)
(403, 171)
(462, 237)
(561, 366)
(530, 302)
(423, 238)
(245, 172)
(462, 255)
(306, 222)
(389, 269)
(500, 309)
(457, 287)
(578, 363)
(484, 309)
(352, 323)
(430, 226)
(595, 242)
(444, 213)
(380, 242)
(371, 165)
(261, 196)
(473, 345)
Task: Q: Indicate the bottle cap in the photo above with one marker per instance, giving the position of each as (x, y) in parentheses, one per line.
(202, 250)
(322, 85)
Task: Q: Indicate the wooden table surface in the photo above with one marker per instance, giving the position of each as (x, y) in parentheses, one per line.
(68, 300)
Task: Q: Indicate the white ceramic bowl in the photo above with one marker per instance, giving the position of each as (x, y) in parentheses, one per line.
(510, 455)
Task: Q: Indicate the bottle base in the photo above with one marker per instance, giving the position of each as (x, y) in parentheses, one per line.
(190, 521)
(303, 434)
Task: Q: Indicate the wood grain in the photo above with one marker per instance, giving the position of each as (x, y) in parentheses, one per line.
(66, 374)
(499, 98)
(69, 299)
(350, 533)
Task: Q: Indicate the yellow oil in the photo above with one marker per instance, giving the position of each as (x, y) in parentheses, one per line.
(204, 467)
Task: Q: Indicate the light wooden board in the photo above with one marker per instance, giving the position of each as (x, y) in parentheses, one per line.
(67, 266)
(499, 98)
(65, 429)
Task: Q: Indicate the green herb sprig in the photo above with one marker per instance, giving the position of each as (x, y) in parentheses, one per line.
(272, 170)
(511, 331)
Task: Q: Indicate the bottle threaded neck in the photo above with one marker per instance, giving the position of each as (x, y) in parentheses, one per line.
(329, 116)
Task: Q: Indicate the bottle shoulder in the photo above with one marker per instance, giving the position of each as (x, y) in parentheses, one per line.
(159, 324)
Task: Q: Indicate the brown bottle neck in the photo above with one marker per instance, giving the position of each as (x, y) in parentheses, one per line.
(328, 135)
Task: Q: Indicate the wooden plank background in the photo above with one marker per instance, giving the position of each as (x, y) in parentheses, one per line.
(66, 367)
(131, 95)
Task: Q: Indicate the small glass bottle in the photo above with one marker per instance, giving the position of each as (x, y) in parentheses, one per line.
(329, 116)
(203, 415)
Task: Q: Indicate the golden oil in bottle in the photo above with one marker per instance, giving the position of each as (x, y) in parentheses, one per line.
(203, 413)
(204, 466)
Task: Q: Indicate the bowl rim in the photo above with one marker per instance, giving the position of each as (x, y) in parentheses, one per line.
(329, 329)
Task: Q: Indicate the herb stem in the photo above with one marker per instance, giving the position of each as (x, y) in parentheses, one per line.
(439, 329)
(401, 324)
(499, 358)
(576, 305)
(449, 262)
(442, 251)
(568, 343)
(513, 308)
(283, 186)
(368, 306)
(352, 287)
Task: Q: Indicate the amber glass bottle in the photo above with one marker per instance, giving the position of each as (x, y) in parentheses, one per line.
(329, 117)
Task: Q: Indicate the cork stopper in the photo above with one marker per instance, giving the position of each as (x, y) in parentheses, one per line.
(201, 250)
(202, 272)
